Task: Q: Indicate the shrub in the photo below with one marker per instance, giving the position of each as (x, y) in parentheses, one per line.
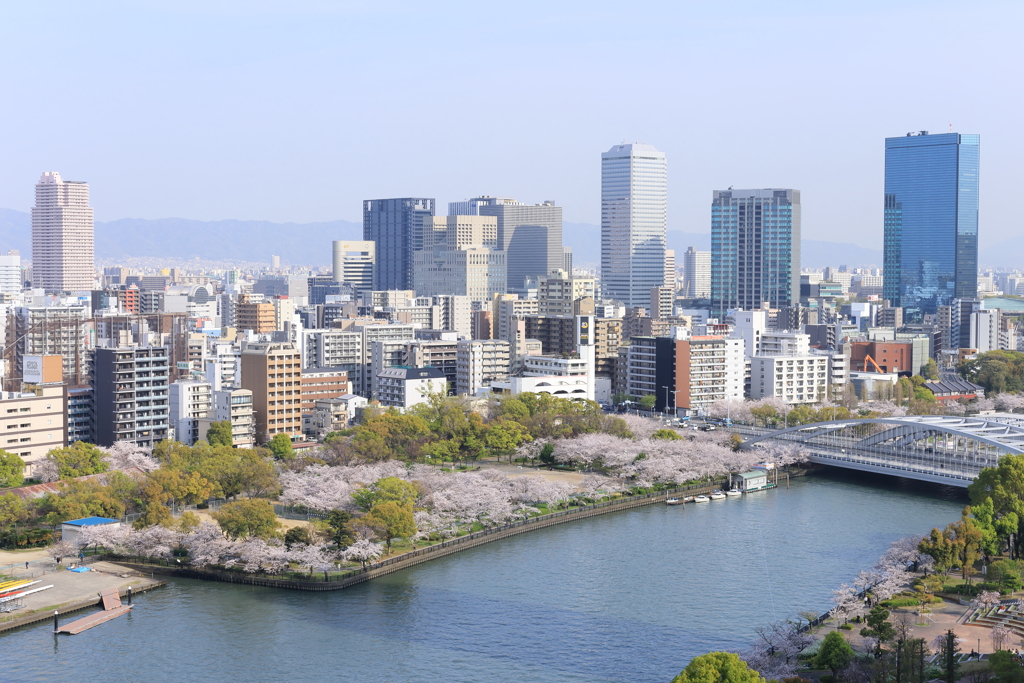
(847, 627)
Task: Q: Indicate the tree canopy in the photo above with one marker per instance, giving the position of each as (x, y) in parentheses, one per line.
(834, 654)
(219, 434)
(247, 519)
(718, 667)
(78, 460)
(12, 470)
(998, 371)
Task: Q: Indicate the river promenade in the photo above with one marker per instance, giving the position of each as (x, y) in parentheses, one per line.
(334, 582)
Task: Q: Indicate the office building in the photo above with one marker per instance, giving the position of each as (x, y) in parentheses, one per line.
(130, 386)
(670, 269)
(397, 228)
(62, 235)
(353, 264)
(634, 205)
(255, 315)
(559, 290)
(531, 237)
(273, 373)
(34, 421)
(931, 221)
(755, 249)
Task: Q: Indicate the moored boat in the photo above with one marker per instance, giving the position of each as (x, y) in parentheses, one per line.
(701, 499)
(673, 501)
(733, 492)
(717, 495)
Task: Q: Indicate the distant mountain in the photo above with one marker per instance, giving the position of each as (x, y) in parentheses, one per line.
(181, 238)
(585, 240)
(310, 243)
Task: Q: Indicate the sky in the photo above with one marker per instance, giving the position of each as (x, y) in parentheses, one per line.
(299, 110)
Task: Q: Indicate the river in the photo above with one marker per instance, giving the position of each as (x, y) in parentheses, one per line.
(626, 597)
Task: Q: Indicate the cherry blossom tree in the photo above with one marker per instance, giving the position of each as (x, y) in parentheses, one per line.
(1009, 402)
(362, 551)
(125, 455)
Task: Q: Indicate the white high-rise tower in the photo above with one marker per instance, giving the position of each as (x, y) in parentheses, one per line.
(62, 235)
(634, 207)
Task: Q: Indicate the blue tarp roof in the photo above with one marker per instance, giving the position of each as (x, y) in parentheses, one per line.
(91, 521)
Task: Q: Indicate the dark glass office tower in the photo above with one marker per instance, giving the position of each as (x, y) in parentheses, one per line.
(396, 226)
(931, 221)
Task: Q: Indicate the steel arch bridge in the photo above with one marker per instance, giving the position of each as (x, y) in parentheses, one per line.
(945, 450)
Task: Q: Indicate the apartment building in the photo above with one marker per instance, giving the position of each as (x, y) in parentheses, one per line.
(787, 368)
(257, 316)
(272, 371)
(323, 383)
(480, 362)
(234, 406)
(559, 290)
(131, 395)
(190, 400)
(403, 388)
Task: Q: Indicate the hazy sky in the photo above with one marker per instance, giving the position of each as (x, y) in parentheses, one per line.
(296, 111)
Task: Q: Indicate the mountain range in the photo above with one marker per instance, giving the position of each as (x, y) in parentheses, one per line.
(310, 243)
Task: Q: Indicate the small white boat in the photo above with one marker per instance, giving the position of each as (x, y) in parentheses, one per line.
(717, 495)
(733, 492)
(673, 501)
(701, 499)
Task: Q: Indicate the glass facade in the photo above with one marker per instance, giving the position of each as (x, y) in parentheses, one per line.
(634, 212)
(397, 227)
(755, 249)
(931, 221)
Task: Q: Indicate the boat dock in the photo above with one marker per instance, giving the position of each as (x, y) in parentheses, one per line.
(73, 592)
(112, 608)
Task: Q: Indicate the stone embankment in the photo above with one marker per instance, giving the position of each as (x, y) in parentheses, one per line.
(415, 557)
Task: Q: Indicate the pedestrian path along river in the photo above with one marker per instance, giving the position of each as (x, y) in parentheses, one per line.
(624, 597)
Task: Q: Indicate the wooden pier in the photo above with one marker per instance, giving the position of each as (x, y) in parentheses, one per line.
(112, 608)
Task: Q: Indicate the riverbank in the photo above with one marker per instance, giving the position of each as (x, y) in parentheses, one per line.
(410, 559)
(73, 591)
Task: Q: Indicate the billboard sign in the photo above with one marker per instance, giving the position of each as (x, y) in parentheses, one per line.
(585, 330)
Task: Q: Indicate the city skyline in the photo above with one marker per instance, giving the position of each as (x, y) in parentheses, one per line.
(318, 169)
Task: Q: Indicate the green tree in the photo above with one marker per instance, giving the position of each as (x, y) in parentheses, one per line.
(340, 524)
(1006, 574)
(619, 398)
(297, 535)
(878, 627)
(505, 436)
(80, 498)
(967, 539)
(666, 434)
(388, 489)
(12, 470)
(78, 460)
(834, 654)
(765, 413)
(647, 402)
(940, 548)
(219, 434)
(930, 370)
(547, 454)
(947, 659)
(998, 371)
(395, 520)
(1005, 668)
(281, 447)
(12, 510)
(718, 667)
(247, 518)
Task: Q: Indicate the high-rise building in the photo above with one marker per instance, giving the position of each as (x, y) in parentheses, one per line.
(670, 269)
(696, 274)
(480, 362)
(634, 203)
(559, 290)
(931, 221)
(460, 257)
(397, 227)
(273, 373)
(530, 236)
(62, 235)
(755, 249)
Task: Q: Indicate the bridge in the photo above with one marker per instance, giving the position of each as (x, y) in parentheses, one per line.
(944, 450)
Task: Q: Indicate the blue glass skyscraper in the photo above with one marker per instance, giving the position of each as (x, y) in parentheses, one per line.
(931, 221)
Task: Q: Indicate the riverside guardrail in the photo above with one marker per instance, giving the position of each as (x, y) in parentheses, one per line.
(390, 565)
